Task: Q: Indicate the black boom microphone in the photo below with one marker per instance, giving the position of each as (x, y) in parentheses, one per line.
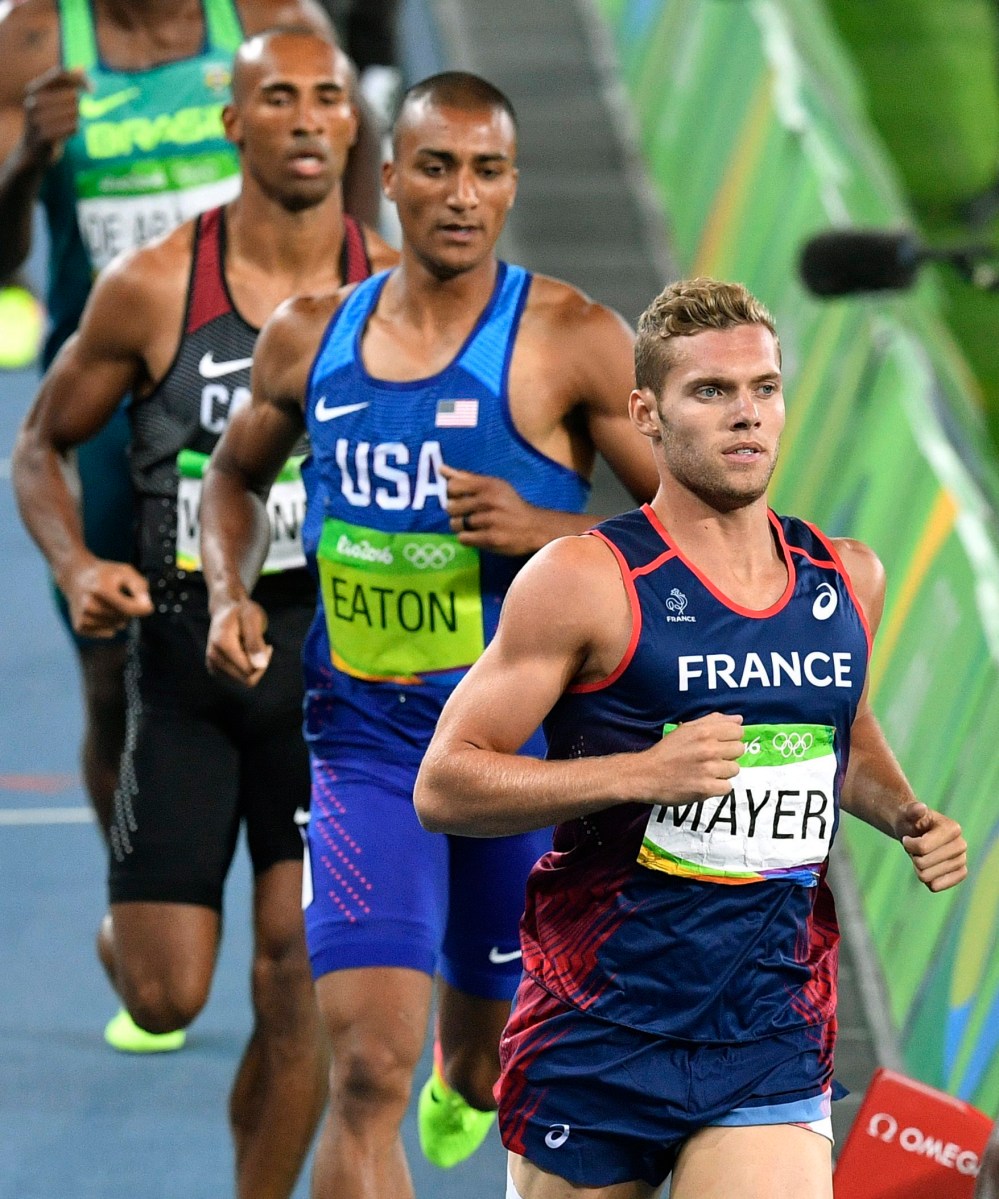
(844, 262)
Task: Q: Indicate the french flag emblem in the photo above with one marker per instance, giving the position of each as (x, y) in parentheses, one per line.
(457, 414)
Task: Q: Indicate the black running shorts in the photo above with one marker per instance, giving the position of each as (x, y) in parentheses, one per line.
(205, 755)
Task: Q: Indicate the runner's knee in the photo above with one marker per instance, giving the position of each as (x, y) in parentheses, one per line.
(160, 1004)
(369, 1076)
(282, 984)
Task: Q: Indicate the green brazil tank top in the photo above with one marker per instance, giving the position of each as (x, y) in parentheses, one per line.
(149, 154)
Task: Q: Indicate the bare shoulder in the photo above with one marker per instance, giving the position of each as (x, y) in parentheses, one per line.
(382, 255)
(258, 15)
(866, 574)
(29, 45)
(586, 346)
(152, 275)
(298, 323)
(287, 346)
(137, 304)
(557, 309)
(572, 595)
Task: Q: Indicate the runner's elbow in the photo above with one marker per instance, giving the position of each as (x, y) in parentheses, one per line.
(433, 797)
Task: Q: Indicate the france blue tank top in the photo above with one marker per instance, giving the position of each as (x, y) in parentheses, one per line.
(710, 921)
(405, 608)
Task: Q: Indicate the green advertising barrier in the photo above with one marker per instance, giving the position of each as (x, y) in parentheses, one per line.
(750, 122)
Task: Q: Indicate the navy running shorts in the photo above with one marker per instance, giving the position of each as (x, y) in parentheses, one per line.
(600, 1103)
(382, 891)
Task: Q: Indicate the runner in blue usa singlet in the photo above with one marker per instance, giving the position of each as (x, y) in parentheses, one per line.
(653, 895)
(405, 610)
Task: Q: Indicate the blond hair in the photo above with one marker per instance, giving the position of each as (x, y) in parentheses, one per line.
(685, 308)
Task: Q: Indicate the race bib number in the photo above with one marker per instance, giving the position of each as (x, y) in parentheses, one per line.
(125, 208)
(285, 510)
(399, 605)
(776, 822)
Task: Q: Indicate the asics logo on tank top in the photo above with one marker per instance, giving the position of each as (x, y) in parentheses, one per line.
(385, 476)
(825, 601)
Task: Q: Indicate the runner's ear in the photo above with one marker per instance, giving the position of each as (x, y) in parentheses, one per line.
(231, 124)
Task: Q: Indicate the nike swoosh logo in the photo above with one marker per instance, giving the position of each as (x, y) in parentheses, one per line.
(324, 413)
(208, 368)
(93, 110)
(498, 958)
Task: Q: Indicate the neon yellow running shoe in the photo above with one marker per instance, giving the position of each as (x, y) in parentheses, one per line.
(22, 326)
(123, 1034)
(450, 1130)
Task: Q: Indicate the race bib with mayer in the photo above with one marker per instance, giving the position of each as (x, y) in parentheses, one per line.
(285, 511)
(399, 605)
(777, 822)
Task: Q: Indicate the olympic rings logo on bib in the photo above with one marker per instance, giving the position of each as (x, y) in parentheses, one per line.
(429, 556)
(792, 745)
(408, 605)
(775, 823)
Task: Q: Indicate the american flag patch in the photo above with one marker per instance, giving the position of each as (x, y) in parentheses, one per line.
(457, 414)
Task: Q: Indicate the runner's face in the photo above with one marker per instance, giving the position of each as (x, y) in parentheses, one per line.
(453, 180)
(295, 121)
(720, 414)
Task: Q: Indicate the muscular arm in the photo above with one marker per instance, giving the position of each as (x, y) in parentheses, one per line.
(569, 394)
(103, 361)
(473, 782)
(235, 530)
(875, 789)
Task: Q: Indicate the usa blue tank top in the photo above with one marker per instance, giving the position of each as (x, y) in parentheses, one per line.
(709, 921)
(405, 608)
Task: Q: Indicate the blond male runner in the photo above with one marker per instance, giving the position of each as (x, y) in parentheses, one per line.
(700, 665)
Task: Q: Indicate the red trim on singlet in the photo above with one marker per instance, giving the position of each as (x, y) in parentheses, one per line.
(355, 264)
(720, 596)
(627, 577)
(208, 298)
(822, 563)
(838, 563)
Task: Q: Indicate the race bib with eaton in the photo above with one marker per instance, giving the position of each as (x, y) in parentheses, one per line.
(777, 822)
(399, 605)
(285, 510)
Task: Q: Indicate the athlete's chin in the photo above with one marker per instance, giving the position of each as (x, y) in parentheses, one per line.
(726, 497)
(306, 193)
(449, 266)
